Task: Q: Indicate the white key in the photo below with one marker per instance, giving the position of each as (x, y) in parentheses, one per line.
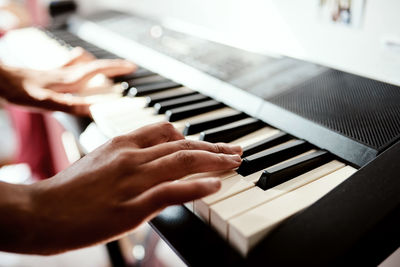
(226, 209)
(105, 113)
(135, 124)
(255, 137)
(231, 186)
(246, 230)
(180, 125)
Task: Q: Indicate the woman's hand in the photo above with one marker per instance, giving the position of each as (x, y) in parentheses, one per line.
(51, 89)
(117, 187)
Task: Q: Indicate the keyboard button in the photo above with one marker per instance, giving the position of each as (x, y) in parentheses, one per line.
(146, 89)
(237, 204)
(272, 156)
(181, 113)
(246, 230)
(139, 73)
(272, 141)
(286, 171)
(168, 95)
(202, 125)
(146, 80)
(231, 131)
(162, 107)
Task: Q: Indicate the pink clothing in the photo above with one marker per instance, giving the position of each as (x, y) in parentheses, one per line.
(32, 141)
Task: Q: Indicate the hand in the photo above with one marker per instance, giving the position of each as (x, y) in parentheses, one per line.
(51, 89)
(120, 185)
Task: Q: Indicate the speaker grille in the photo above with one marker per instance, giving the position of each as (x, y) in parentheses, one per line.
(365, 110)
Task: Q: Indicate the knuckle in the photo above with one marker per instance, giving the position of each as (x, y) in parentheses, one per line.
(186, 144)
(220, 159)
(167, 130)
(125, 159)
(186, 158)
(118, 141)
(219, 148)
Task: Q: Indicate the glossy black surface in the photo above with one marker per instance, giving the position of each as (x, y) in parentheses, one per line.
(139, 73)
(356, 224)
(194, 127)
(146, 89)
(284, 172)
(231, 131)
(192, 110)
(168, 95)
(272, 156)
(162, 107)
(269, 142)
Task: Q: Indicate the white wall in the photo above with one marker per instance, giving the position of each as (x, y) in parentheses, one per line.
(290, 27)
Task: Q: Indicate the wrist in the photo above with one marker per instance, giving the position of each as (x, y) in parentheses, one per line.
(18, 223)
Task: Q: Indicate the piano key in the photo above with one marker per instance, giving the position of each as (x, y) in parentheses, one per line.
(237, 204)
(284, 172)
(246, 230)
(192, 110)
(146, 80)
(272, 156)
(255, 137)
(231, 185)
(266, 143)
(201, 125)
(139, 73)
(162, 107)
(231, 131)
(168, 95)
(146, 89)
(181, 124)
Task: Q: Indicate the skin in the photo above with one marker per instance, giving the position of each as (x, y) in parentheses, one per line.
(110, 191)
(51, 89)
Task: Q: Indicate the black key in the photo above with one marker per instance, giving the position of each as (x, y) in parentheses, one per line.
(231, 131)
(271, 141)
(139, 73)
(168, 95)
(106, 55)
(184, 112)
(198, 126)
(272, 156)
(146, 80)
(293, 168)
(152, 88)
(162, 107)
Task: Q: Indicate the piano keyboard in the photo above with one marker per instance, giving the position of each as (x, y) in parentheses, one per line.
(280, 174)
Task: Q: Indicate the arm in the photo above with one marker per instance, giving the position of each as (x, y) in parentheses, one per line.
(110, 191)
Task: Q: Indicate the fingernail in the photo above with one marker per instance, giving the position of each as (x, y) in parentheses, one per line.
(237, 149)
(213, 183)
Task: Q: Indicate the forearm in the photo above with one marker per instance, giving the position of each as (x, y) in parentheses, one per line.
(17, 225)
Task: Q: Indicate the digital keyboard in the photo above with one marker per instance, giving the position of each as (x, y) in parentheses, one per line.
(318, 183)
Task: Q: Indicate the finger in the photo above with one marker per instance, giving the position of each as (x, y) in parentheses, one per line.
(77, 76)
(49, 100)
(151, 135)
(173, 193)
(182, 163)
(79, 55)
(68, 103)
(164, 149)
